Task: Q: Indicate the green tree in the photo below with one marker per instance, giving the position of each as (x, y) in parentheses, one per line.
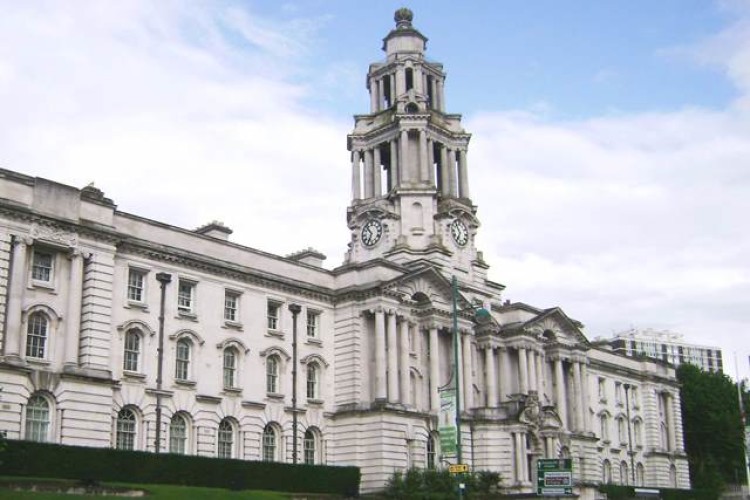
(712, 426)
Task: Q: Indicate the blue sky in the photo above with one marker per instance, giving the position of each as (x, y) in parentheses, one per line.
(609, 155)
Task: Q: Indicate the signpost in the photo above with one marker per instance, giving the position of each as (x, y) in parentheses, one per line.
(458, 468)
(554, 476)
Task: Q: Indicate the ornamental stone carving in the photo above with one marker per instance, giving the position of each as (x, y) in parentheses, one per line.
(54, 234)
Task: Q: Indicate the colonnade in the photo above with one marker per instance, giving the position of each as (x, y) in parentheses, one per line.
(21, 252)
(385, 88)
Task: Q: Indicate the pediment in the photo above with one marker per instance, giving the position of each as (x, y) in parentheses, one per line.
(423, 286)
(555, 326)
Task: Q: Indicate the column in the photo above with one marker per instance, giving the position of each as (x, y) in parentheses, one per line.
(531, 357)
(463, 175)
(423, 166)
(669, 408)
(392, 358)
(434, 369)
(16, 296)
(577, 387)
(400, 82)
(356, 176)
(394, 164)
(404, 166)
(453, 181)
(468, 371)
(562, 404)
(434, 104)
(373, 95)
(489, 374)
(368, 173)
(376, 170)
(380, 389)
(73, 323)
(505, 374)
(441, 94)
(540, 374)
(520, 457)
(444, 174)
(418, 80)
(523, 371)
(585, 396)
(392, 84)
(431, 162)
(404, 361)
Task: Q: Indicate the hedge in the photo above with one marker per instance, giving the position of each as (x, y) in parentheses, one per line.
(30, 459)
(620, 492)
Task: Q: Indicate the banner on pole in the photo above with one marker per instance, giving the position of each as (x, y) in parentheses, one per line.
(447, 422)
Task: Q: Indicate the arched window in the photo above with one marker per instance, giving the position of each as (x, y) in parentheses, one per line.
(225, 439)
(606, 472)
(272, 374)
(37, 419)
(673, 476)
(638, 433)
(624, 473)
(312, 381)
(36, 335)
(564, 452)
(269, 443)
(431, 451)
(230, 367)
(132, 351)
(603, 427)
(639, 475)
(621, 431)
(311, 446)
(182, 359)
(178, 434)
(126, 429)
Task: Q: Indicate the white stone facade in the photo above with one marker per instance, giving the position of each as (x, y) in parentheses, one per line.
(81, 287)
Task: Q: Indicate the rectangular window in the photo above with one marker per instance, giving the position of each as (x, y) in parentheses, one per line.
(136, 285)
(231, 306)
(42, 266)
(618, 393)
(602, 390)
(273, 315)
(186, 297)
(313, 319)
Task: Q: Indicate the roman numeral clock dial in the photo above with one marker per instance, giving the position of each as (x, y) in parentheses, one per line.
(460, 232)
(371, 232)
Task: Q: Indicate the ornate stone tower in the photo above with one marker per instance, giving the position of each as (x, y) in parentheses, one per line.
(410, 187)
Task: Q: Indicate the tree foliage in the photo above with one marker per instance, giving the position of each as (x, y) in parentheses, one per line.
(713, 428)
(440, 484)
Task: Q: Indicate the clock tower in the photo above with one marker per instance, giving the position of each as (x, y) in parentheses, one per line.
(410, 184)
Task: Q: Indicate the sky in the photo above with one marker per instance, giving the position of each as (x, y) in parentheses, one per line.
(609, 159)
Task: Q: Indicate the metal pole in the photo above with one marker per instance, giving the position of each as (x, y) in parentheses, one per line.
(457, 380)
(630, 438)
(163, 279)
(295, 309)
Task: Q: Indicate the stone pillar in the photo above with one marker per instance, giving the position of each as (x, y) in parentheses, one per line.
(505, 374)
(520, 457)
(434, 104)
(368, 174)
(404, 166)
(392, 84)
(453, 180)
(585, 396)
(404, 360)
(441, 94)
(463, 175)
(489, 374)
(394, 164)
(669, 408)
(376, 170)
(531, 357)
(392, 358)
(18, 263)
(380, 388)
(356, 176)
(577, 381)
(374, 95)
(562, 403)
(431, 162)
(73, 323)
(434, 370)
(400, 82)
(523, 371)
(444, 174)
(418, 80)
(540, 370)
(468, 372)
(423, 165)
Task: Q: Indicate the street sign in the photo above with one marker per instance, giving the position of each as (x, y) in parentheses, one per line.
(554, 476)
(458, 468)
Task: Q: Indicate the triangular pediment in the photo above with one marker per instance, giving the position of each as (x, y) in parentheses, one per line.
(555, 326)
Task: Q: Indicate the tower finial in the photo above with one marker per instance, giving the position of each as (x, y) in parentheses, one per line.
(403, 17)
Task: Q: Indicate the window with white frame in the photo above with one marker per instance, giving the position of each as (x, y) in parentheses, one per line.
(125, 433)
(231, 306)
(634, 396)
(178, 434)
(37, 334)
(618, 393)
(272, 374)
(273, 314)
(602, 389)
(622, 433)
(230, 367)
(132, 350)
(431, 452)
(310, 446)
(624, 473)
(225, 439)
(606, 472)
(603, 427)
(186, 297)
(639, 474)
(182, 359)
(313, 323)
(37, 419)
(638, 433)
(313, 382)
(42, 266)
(136, 285)
(269, 443)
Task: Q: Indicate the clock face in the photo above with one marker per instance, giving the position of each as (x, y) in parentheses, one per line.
(460, 232)
(371, 232)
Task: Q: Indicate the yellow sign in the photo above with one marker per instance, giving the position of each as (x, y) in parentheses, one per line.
(458, 468)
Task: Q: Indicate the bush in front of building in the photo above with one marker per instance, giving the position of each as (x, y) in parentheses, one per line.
(620, 492)
(440, 484)
(30, 459)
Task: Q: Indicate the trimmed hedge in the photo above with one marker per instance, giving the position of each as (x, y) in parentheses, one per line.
(30, 459)
(620, 492)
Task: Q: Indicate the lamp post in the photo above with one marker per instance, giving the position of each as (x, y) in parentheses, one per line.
(630, 438)
(456, 370)
(164, 279)
(295, 309)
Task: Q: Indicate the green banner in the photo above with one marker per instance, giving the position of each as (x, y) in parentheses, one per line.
(447, 422)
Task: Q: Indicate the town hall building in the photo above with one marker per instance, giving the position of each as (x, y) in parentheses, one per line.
(112, 322)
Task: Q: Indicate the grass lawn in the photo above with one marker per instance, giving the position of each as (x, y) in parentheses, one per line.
(155, 492)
